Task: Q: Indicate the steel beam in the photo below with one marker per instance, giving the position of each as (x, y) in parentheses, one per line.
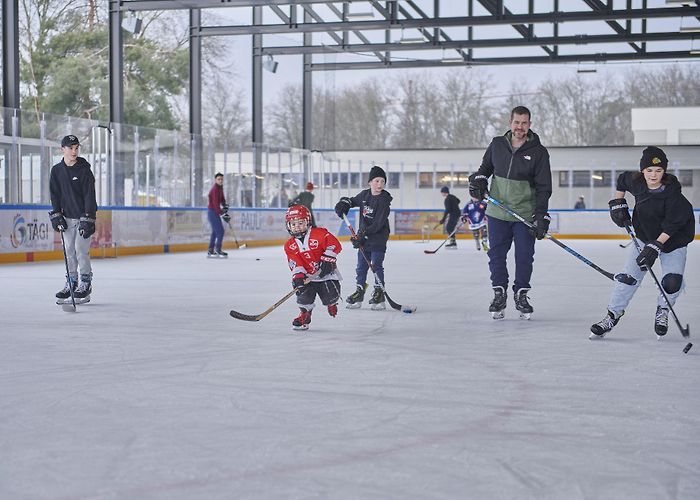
(196, 167)
(134, 5)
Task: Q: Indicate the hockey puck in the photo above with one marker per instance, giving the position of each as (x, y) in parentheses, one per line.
(257, 259)
(687, 347)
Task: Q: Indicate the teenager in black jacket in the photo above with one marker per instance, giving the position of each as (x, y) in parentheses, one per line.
(74, 209)
(451, 215)
(663, 220)
(372, 235)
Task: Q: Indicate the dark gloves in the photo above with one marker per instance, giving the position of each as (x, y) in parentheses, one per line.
(541, 223)
(224, 208)
(649, 254)
(478, 186)
(327, 265)
(298, 280)
(58, 221)
(343, 206)
(620, 212)
(226, 217)
(359, 239)
(86, 227)
(442, 221)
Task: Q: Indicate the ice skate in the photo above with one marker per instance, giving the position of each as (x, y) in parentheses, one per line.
(65, 293)
(221, 253)
(478, 246)
(498, 304)
(599, 329)
(521, 303)
(661, 322)
(211, 254)
(302, 321)
(82, 293)
(452, 243)
(485, 245)
(377, 302)
(354, 301)
(333, 310)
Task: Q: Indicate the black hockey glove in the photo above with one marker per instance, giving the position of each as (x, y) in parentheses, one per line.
(649, 254)
(478, 186)
(327, 265)
(298, 281)
(224, 209)
(359, 239)
(442, 221)
(620, 212)
(58, 221)
(541, 222)
(343, 206)
(226, 217)
(86, 227)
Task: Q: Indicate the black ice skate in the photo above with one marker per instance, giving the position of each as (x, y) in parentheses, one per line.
(82, 293)
(452, 243)
(354, 301)
(498, 304)
(661, 322)
(377, 302)
(521, 303)
(221, 253)
(212, 254)
(65, 293)
(603, 326)
(302, 321)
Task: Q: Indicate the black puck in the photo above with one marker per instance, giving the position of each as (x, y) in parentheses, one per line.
(687, 347)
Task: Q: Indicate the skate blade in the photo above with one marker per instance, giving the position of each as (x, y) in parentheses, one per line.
(302, 327)
(525, 315)
(356, 305)
(498, 315)
(660, 337)
(378, 307)
(594, 336)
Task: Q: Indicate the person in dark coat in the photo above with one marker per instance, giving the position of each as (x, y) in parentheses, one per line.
(451, 215)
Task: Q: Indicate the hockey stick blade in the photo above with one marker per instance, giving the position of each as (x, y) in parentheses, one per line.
(69, 308)
(258, 317)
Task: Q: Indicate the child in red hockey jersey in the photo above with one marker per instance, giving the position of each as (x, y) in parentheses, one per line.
(311, 254)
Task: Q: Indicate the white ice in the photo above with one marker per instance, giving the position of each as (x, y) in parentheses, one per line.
(154, 391)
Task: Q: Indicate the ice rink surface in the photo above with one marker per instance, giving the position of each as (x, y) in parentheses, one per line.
(153, 391)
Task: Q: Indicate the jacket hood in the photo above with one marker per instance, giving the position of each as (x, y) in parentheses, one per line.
(533, 139)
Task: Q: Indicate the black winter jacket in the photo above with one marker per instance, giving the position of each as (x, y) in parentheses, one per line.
(374, 218)
(73, 189)
(667, 211)
(451, 207)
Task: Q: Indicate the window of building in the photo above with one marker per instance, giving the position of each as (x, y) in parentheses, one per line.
(394, 179)
(685, 177)
(456, 179)
(582, 178)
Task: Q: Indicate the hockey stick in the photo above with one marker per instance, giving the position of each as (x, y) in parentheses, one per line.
(625, 245)
(68, 307)
(446, 239)
(258, 317)
(621, 277)
(684, 331)
(238, 246)
(377, 281)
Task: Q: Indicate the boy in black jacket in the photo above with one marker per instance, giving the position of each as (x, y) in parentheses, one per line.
(72, 188)
(371, 237)
(663, 220)
(451, 215)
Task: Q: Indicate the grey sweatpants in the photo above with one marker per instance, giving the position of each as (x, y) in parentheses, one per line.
(77, 252)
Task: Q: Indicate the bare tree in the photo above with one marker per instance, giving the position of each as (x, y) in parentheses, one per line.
(363, 116)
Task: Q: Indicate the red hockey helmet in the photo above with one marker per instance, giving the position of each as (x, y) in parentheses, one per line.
(296, 213)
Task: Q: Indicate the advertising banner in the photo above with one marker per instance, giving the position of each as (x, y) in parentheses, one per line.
(26, 230)
(188, 226)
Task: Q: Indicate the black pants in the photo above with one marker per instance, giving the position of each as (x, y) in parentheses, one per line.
(328, 291)
(451, 223)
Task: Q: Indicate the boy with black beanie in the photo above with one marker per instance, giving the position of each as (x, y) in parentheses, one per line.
(371, 236)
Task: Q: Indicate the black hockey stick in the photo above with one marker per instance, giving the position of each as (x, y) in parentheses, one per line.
(377, 281)
(621, 277)
(625, 245)
(448, 237)
(684, 331)
(258, 317)
(68, 307)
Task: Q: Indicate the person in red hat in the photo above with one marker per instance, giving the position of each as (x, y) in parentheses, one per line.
(306, 198)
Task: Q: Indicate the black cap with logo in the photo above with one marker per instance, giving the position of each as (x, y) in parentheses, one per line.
(69, 140)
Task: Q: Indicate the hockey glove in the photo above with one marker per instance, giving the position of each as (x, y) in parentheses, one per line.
(327, 265)
(620, 212)
(648, 255)
(541, 223)
(343, 206)
(224, 209)
(86, 227)
(58, 221)
(298, 281)
(442, 221)
(359, 239)
(226, 217)
(478, 186)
